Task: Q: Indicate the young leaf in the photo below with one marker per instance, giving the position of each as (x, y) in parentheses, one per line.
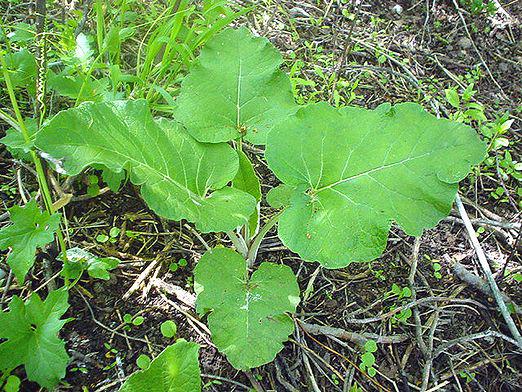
(168, 328)
(358, 170)
(248, 317)
(452, 96)
(31, 229)
(15, 141)
(280, 196)
(176, 369)
(247, 181)
(31, 330)
(235, 90)
(180, 178)
(111, 178)
(246, 178)
(22, 68)
(71, 86)
(79, 260)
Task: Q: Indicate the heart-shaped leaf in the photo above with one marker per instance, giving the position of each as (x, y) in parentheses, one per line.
(355, 171)
(248, 317)
(176, 369)
(235, 89)
(180, 178)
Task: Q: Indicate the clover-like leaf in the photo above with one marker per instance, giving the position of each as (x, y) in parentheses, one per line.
(248, 317)
(30, 229)
(176, 369)
(235, 89)
(180, 178)
(31, 330)
(79, 260)
(355, 171)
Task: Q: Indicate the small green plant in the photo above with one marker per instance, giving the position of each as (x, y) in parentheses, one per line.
(368, 358)
(114, 233)
(12, 384)
(401, 293)
(495, 132)
(467, 376)
(143, 361)
(79, 260)
(436, 266)
(131, 321)
(175, 265)
(477, 7)
(169, 329)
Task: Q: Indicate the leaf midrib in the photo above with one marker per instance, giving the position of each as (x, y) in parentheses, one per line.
(370, 171)
(129, 158)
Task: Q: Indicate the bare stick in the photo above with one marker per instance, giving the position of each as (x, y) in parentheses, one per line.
(355, 337)
(487, 271)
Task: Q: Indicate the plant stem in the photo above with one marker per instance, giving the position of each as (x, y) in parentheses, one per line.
(256, 243)
(238, 242)
(10, 120)
(42, 181)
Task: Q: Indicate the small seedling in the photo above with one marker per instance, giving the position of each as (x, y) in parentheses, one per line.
(143, 361)
(175, 265)
(467, 376)
(12, 384)
(131, 320)
(169, 329)
(401, 293)
(114, 233)
(436, 266)
(93, 189)
(368, 359)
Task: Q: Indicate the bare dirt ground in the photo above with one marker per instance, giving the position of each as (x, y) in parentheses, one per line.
(372, 52)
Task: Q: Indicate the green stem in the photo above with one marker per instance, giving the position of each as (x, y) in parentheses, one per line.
(42, 180)
(256, 243)
(10, 120)
(238, 242)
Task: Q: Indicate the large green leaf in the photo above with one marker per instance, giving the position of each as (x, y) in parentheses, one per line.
(176, 369)
(31, 330)
(180, 178)
(235, 89)
(248, 317)
(30, 229)
(356, 170)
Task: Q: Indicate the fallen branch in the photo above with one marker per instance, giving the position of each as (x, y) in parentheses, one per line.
(487, 271)
(360, 339)
(477, 282)
(480, 335)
